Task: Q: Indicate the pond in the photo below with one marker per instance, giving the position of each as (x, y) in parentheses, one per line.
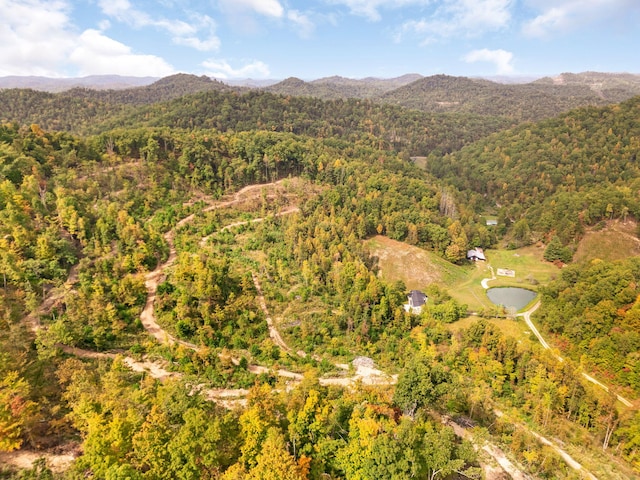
(517, 298)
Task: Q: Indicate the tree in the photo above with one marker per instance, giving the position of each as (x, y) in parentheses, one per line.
(274, 461)
(522, 232)
(423, 382)
(204, 446)
(16, 410)
(440, 452)
(556, 251)
(150, 442)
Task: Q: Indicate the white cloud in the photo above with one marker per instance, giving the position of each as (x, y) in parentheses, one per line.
(207, 45)
(115, 8)
(182, 32)
(301, 22)
(222, 69)
(371, 8)
(460, 17)
(34, 37)
(551, 20)
(500, 58)
(245, 16)
(37, 37)
(560, 16)
(98, 54)
(268, 8)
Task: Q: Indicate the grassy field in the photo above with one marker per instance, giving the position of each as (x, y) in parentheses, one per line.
(527, 263)
(418, 268)
(616, 241)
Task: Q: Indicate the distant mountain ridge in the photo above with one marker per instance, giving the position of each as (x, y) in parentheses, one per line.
(524, 102)
(164, 89)
(513, 103)
(615, 87)
(505, 96)
(336, 87)
(94, 82)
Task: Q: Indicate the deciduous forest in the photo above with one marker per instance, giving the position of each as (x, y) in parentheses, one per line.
(188, 289)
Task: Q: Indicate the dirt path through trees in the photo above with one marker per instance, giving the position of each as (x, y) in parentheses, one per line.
(527, 318)
(490, 449)
(568, 459)
(369, 376)
(273, 331)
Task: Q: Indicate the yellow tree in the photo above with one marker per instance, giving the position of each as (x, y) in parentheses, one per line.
(15, 410)
(275, 462)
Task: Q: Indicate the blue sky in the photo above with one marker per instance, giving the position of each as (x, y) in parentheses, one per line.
(259, 39)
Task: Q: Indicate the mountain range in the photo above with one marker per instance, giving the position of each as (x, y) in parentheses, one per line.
(530, 101)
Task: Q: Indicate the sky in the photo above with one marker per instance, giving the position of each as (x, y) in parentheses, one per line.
(276, 39)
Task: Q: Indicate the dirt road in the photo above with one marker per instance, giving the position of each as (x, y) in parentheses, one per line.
(527, 318)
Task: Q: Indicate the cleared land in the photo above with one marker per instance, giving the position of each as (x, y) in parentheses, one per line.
(527, 263)
(616, 241)
(416, 267)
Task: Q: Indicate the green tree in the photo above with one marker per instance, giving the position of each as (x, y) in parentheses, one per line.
(423, 382)
(16, 410)
(556, 251)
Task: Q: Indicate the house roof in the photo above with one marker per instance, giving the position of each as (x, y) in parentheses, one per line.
(476, 253)
(417, 298)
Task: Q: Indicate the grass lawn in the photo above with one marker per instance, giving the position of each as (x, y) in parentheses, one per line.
(418, 268)
(527, 263)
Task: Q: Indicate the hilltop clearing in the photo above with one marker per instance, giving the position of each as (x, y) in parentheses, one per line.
(414, 266)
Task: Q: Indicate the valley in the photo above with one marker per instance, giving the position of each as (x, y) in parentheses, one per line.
(200, 278)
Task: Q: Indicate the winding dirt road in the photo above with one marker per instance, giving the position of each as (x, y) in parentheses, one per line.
(153, 279)
(568, 459)
(365, 375)
(490, 449)
(274, 334)
(527, 318)
(485, 281)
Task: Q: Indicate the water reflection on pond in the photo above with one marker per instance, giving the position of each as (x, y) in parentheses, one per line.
(515, 297)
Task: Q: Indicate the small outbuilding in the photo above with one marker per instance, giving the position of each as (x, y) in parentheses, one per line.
(417, 299)
(476, 254)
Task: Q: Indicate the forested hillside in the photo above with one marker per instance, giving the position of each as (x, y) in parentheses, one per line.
(489, 106)
(388, 128)
(592, 308)
(522, 102)
(187, 290)
(555, 177)
(332, 88)
(162, 90)
(614, 87)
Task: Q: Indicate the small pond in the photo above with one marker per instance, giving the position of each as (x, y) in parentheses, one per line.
(517, 298)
